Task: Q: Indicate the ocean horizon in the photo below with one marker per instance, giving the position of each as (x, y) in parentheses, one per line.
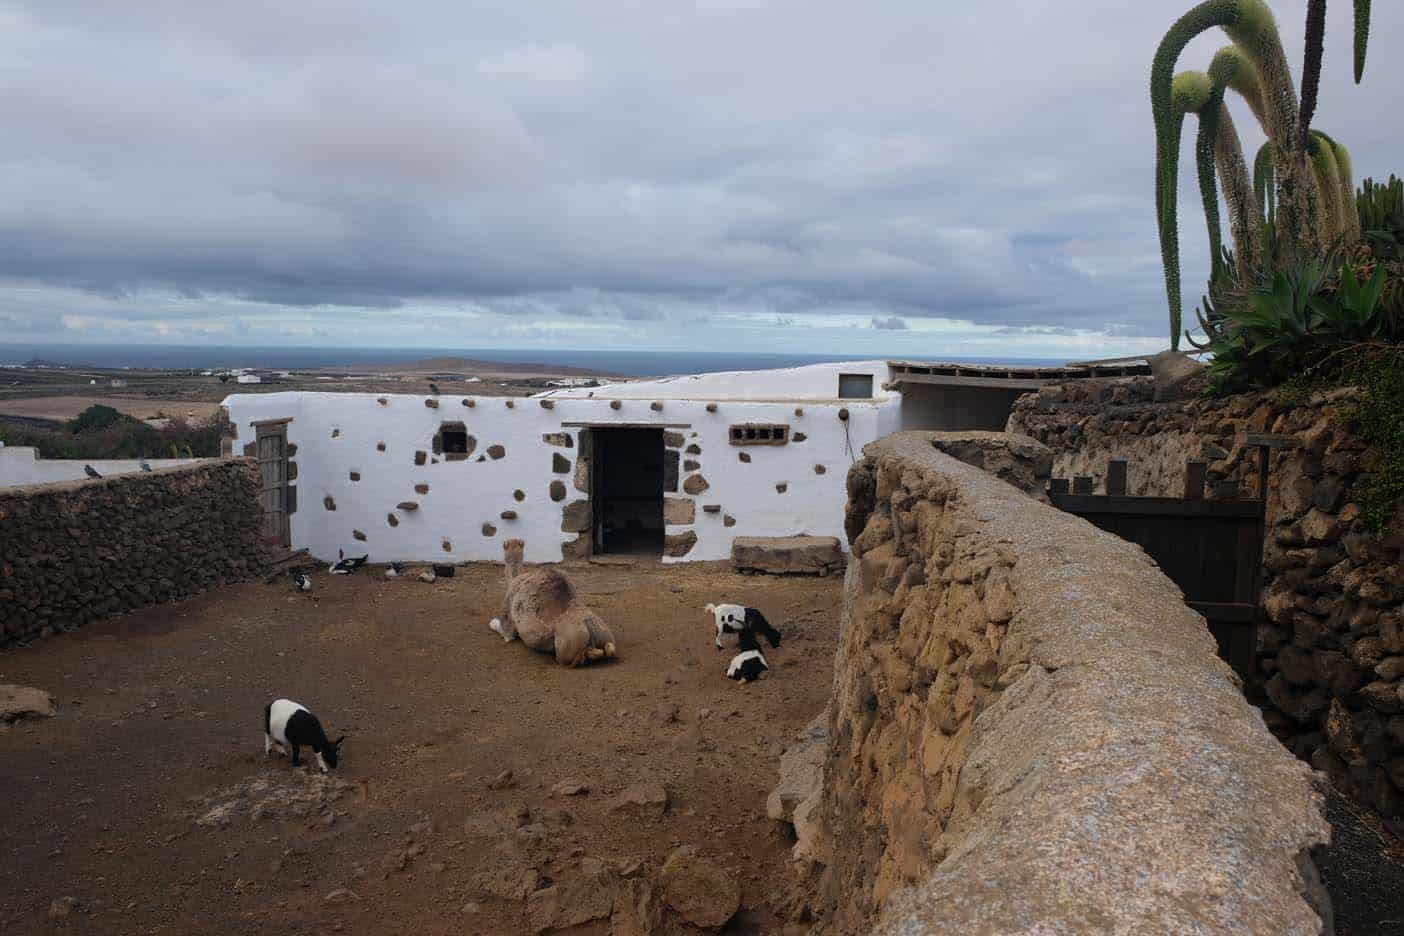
(626, 363)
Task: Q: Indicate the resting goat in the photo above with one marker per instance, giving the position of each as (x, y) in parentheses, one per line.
(749, 664)
(733, 619)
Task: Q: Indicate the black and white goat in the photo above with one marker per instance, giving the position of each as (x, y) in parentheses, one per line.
(734, 619)
(302, 581)
(749, 664)
(289, 725)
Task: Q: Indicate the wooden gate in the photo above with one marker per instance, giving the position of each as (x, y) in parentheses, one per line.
(273, 468)
(1212, 549)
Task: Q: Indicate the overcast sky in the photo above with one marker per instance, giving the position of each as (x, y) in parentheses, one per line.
(918, 177)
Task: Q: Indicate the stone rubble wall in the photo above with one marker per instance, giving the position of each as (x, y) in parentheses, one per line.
(73, 552)
(1031, 732)
(1331, 655)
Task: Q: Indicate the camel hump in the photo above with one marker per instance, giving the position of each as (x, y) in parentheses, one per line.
(543, 593)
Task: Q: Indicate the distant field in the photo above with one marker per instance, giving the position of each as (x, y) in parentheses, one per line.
(67, 407)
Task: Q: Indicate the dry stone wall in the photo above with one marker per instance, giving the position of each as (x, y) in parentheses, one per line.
(1331, 654)
(75, 551)
(1031, 732)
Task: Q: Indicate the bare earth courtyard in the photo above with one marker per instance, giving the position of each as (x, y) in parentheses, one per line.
(148, 800)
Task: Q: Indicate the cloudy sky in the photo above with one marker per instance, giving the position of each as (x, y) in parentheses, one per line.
(828, 177)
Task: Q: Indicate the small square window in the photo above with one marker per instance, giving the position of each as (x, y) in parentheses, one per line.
(760, 434)
(855, 386)
(453, 442)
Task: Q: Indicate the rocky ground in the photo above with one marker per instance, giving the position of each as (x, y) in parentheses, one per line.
(482, 789)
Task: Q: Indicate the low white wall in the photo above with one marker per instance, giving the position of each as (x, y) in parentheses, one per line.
(337, 434)
(20, 465)
(810, 382)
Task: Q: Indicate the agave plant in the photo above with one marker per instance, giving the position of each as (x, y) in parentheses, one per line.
(1297, 204)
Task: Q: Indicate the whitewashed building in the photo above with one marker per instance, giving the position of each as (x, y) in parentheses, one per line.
(676, 467)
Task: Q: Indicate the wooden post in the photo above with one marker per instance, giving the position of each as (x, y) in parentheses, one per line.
(1116, 477)
(1194, 480)
(1082, 484)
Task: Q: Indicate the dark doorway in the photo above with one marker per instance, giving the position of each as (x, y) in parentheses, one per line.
(628, 480)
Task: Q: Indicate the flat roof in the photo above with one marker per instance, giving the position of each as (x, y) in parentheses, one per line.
(1014, 377)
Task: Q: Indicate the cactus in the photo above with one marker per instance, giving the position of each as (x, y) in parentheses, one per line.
(1326, 183)
(1362, 36)
(1264, 182)
(1311, 67)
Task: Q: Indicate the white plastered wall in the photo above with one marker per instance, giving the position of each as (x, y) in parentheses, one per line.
(337, 434)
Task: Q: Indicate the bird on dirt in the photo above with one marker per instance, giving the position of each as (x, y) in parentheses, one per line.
(344, 566)
(91, 472)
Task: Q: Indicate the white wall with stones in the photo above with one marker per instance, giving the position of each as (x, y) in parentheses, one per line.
(363, 485)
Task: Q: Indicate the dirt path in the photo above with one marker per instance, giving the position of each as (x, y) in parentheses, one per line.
(160, 726)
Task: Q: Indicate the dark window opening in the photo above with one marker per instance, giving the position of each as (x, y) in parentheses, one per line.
(629, 472)
(453, 442)
(855, 386)
(757, 434)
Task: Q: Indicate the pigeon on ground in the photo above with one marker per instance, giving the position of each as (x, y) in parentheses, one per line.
(91, 472)
(344, 566)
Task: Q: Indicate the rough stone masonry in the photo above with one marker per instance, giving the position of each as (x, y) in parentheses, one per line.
(1031, 732)
(77, 551)
(1331, 652)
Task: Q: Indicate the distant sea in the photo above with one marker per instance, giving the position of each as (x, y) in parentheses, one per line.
(629, 363)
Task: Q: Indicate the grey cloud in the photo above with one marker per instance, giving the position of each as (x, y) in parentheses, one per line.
(614, 162)
(891, 323)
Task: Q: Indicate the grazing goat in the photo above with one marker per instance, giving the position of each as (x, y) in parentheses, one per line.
(733, 619)
(749, 664)
(287, 724)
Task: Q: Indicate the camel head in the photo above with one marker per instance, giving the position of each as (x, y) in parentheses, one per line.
(512, 551)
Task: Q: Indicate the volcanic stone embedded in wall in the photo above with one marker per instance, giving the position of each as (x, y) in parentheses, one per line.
(421, 489)
(393, 520)
(408, 506)
(679, 511)
(578, 548)
(496, 452)
(446, 546)
(695, 484)
(355, 476)
(694, 449)
(691, 465)
(576, 517)
(79, 551)
(781, 487)
(380, 446)
(357, 534)
(670, 470)
(421, 457)
(489, 529)
(820, 469)
(558, 491)
(744, 457)
(673, 439)
(679, 544)
(508, 515)
(559, 439)
(559, 463)
(328, 503)
(519, 495)
(798, 437)
(728, 520)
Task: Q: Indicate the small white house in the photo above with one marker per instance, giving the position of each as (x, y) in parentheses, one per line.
(248, 379)
(676, 467)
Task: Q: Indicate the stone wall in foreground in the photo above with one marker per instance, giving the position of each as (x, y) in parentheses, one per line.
(1331, 652)
(73, 552)
(1031, 732)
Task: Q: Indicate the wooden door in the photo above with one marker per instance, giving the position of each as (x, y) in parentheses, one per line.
(273, 468)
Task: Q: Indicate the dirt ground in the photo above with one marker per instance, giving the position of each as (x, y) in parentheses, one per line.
(67, 407)
(149, 802)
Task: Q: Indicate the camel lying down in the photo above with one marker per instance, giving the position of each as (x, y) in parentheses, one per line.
(544, 610)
